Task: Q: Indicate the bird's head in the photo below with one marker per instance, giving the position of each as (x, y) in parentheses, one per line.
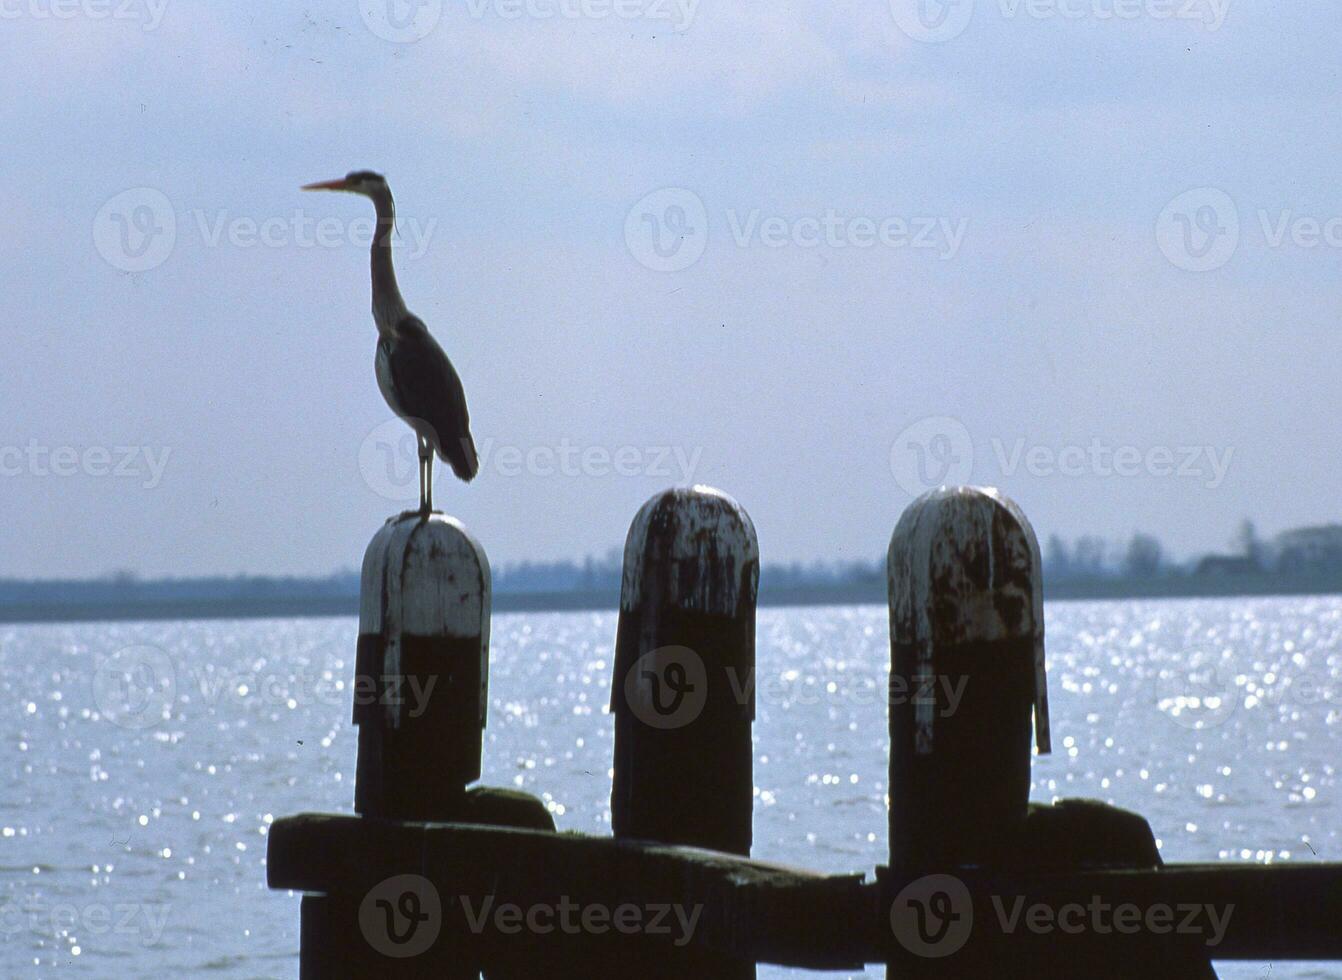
(364, 182)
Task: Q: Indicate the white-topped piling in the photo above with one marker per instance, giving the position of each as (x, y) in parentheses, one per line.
(422, 675)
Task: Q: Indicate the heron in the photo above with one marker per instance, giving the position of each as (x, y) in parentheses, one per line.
(414, 375)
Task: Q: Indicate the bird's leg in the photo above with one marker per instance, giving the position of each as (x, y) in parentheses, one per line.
(425, 476)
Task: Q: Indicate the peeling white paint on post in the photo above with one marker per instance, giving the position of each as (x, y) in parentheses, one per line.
(692, 548)
(964, 566)
(424, 649)
(425, 576)
(966, 674)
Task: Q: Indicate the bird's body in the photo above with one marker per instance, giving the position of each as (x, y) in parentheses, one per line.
(421, 386)
(413, 373)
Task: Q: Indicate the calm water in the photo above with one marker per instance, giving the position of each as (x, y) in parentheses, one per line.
(136, 847)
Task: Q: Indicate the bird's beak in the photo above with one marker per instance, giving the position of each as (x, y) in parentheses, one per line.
(328, 185)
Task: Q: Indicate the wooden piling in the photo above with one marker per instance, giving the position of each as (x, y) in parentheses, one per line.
(683, 695)
(422, 673)
(966, 674)
(420, 694)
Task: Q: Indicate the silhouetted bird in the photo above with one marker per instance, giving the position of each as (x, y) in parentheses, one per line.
(415, 376)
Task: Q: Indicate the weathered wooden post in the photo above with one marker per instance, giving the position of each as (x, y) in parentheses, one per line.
(684, 689)
(422, 674)
(420, 696)
(966, 673)
(421, 679)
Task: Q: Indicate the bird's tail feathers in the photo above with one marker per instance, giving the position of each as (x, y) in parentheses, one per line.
(462, 458)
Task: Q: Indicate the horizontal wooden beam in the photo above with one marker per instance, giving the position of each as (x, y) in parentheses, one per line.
(774, 914)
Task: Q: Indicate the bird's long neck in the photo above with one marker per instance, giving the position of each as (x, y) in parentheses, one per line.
(388, 306)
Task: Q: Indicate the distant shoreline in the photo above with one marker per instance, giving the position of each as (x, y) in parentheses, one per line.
(280, 607)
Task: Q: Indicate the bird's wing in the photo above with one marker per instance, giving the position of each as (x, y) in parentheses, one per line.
(428, 390)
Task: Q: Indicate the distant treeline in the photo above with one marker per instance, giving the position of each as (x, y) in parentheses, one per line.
(1089, 565)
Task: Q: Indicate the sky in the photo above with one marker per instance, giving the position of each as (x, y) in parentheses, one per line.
(821, 255)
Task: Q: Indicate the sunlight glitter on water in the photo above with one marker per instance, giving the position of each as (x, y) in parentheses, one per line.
(132, 836)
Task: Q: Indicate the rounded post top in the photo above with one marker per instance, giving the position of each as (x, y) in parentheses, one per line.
(691, 547)
(964, 566)
(424, 574)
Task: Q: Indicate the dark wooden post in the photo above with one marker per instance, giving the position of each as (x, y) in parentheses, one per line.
(966, 674)
(684, 697)
(684, 689)
(421, 679)
(422, 675)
